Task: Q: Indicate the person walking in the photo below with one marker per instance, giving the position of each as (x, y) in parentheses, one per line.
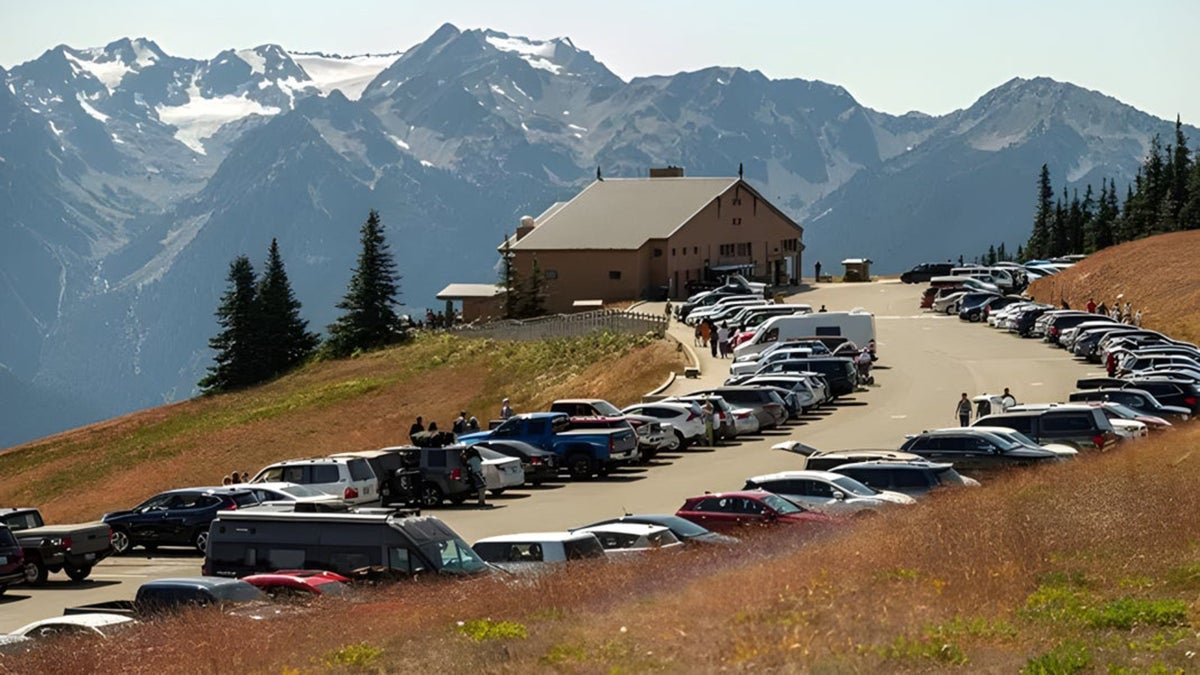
(475, 468)
(506, 410)
(723, 339)
(705, 332)
(713, 337)
(416, 428)
(817, 267)
(963, 410)
(706, 414)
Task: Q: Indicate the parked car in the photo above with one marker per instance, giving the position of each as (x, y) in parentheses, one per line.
(48, 549)
(726, 511)
(12, 560)
(684, 530)
(262, 540)
(442, 473)
(799, 386)
(528, 551)
(299, 583)
(826, 492)
(97, 624)
(1125, 428)
(166, 595)
(627, 538)
(350, 478)
(686, 420)
(539, 465)
(839, 371)
(583, 452)
(500, 472)
(725, 422)
(825, 460)
(768, 407)
(1170, 391)
(981, 448)
(174, 518)
(1138, 399)
(913, 478)
(291, 492)
(747, 366)
(398, 479)
(1081, 428)
(949, 303)
(923, 272)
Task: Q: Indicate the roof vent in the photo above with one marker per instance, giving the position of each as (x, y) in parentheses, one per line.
(527, 225)
(670, 171)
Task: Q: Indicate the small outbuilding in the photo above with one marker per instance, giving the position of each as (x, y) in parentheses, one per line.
(857, 269)
(478, 301)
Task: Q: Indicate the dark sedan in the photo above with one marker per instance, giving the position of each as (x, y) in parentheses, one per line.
(684, 530)
(540, 465)
(174, 518)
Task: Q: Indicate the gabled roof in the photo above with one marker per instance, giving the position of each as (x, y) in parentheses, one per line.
(458, 291)
(622, 213)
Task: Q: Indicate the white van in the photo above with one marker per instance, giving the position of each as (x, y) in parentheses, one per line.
(858, 326)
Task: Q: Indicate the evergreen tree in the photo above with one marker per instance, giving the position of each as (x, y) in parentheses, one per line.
(510, 280)
(369, 318)
(1189, 214)
(534, 296)
(1021, 257)
(1040, 238)
(1059, 228)
(991, 255)
(1182, 168)
(237, 362)
(1001, 254)
(284, 339)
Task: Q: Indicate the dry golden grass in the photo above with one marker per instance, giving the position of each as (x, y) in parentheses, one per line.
(981, 580)
(353, 404)
(1157, 275)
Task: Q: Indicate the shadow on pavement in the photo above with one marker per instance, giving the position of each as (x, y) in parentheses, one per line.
(67, 585)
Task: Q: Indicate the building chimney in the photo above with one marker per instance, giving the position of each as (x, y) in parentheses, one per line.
(670, 171)
(526, 226)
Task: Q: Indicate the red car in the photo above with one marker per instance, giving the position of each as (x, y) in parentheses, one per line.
(299, 583)
(726, 510)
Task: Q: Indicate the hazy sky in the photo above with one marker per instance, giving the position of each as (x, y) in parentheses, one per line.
(895, 56)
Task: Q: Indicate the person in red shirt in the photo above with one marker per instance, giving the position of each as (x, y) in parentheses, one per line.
(1091, 306)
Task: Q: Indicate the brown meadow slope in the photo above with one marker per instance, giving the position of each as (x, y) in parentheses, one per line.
(1158, 275)
(352, 404)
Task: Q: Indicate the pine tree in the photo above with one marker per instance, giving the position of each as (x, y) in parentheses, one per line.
(1059, 228)
(1001, 254)
(1040, 238)
(284, 339)
(1189, 215)
(534, 296)
(369, 318)
(1181, 172)
(237, 362)
(1021, 254)
(510, 281)
(991, 255)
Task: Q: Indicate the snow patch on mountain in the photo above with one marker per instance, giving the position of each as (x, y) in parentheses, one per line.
(258, 64)
(347, 74)
(109, 73)
(535, 52)
(87, 108)
(201, 117)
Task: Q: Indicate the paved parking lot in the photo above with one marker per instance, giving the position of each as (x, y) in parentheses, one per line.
(926, 361)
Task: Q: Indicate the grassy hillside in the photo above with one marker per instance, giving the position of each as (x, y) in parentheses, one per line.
(1090, 566)
(1157, 275)
(354, 404)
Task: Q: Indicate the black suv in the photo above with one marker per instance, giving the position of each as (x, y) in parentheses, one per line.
(1083, 428)
(12, 560)
(915, 479)
(977, 449)
(925, 271)
(174, 518)
(840, 371)
(1176, 392)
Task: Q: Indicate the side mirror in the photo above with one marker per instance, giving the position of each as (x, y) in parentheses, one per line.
(837, 494)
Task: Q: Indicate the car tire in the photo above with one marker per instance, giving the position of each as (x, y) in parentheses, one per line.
(121, 542)
(579, 465)
(79, 573)
(679, 443)
(35, 573)
(431, 495)
(200, 541)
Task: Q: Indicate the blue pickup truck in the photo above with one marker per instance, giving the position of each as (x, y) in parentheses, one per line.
(584, 452)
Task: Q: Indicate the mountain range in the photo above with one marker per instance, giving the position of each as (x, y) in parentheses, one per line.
(130, 178)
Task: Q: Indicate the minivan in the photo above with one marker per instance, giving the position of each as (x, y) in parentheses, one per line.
(260, 540)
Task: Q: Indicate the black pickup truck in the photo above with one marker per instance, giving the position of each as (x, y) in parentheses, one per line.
(74, 549)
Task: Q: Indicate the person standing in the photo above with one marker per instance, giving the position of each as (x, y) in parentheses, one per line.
(817, 267)
(416, 428)
(506, 410)
(705, 332)
(1091, 306)
(713, 337)
(706, 413)
(1137, 318)
(723, 338)
(1007, 401)
(460, 423)
(1102, 309)
(822, 310)
(475, 468)
(963, 410)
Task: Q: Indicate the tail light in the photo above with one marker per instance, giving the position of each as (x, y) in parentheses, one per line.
(612, 443)
(1190, 400)
(1098, 439)
(456, 474)
(691, 416)
(350, 493)
(743, 415)
(231, 506)
(535, 460)
(1053, 331)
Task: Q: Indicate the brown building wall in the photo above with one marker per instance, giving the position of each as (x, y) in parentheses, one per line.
(584, 275)
(483, 308)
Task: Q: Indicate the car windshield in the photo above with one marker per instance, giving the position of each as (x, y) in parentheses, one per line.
(1122, 410)
(680, 526)
(453, 556)
(302, 491)
(607, 409)
(854, 487)
(1011, 439)
(781, 506)
(488, 453)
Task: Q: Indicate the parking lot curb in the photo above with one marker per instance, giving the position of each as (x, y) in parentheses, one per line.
(657, 393)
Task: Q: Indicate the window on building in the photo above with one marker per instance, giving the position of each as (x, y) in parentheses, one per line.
(737, 221)
(672, 253)
(614, 274)
(658, 253)
(695, 250)
(737, 201)
(551, 274)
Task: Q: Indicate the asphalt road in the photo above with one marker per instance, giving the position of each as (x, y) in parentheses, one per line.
(925, 362)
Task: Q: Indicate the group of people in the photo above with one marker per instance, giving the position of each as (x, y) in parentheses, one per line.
(716, 337)
(984, 405)
(431, 437)
(441, 319)
(1117, 312)
(236, 479)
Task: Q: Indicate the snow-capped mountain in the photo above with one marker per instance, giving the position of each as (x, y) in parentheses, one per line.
(129, 178)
